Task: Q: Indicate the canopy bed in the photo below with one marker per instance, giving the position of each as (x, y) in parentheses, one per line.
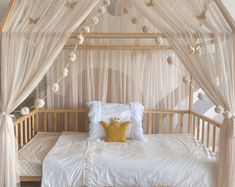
(169, 143)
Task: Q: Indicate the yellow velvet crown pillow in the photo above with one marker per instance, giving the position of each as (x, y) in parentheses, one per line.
(115, 131)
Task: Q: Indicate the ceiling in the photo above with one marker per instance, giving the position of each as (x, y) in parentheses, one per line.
(229, 4)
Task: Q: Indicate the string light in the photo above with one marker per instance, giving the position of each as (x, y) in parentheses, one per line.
(40, 102)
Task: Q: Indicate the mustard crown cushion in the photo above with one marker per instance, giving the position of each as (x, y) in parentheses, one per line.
(115, 131)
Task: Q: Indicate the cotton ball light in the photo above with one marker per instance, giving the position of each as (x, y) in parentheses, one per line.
(106, 2)
(24, 111)
(86, 29)
(80, 40)
(101, 10)
(39, 103)
(227, 115)
(159, 40)
(219, 109)
(55, 87)
(134, 20)
(186, 80)
(145, 29)
(65, 72)
(72, 57)
(201, 96)
(95, 20)
(125, 10)
(169, 60)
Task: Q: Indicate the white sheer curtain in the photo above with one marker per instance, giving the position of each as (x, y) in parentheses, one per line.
(213, 68)
(27, 52)
(120, 76)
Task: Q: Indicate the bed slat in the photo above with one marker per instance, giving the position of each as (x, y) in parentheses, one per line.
(30, 128)
(65, 121)
(194, 124)
(76, 122)
(160, 123)
(171, 123)
(208, 135)
(150, 123)
(203, 126)
(198, 128)
(21, 134)
(214, 136)
(33, 124)
(54, 121)
(25, 131)
(45, 126)
(181, 123)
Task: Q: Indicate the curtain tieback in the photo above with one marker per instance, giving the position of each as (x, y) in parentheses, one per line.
(6, 114)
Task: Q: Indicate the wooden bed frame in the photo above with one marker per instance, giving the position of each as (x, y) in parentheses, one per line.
(204, 129)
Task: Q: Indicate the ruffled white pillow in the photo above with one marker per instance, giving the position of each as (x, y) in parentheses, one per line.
(99, 111)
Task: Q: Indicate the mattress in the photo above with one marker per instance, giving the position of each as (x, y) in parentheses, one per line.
(170, 160)
(32, 154)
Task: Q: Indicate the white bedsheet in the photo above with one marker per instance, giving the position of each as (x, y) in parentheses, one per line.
(33, 153)
(173, 160)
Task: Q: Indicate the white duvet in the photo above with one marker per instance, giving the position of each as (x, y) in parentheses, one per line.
(172, 160)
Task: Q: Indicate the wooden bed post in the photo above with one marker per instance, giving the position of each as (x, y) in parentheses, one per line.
(190, 108)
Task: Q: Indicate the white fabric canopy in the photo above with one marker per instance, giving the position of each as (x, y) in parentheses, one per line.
(28, 49)
(120, 76)
(213, 68)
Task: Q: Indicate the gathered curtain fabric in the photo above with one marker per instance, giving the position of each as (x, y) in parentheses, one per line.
(30, 42)
(204, 42)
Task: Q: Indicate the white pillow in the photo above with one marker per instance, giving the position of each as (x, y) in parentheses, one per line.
(99, 111)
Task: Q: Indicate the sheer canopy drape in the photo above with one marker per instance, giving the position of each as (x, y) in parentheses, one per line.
(31, 40)
(211, 64)
(120, 76)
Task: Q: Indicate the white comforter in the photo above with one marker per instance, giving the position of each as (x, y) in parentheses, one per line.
(173, 160)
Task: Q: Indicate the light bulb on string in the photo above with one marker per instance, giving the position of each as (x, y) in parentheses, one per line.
(39, 103)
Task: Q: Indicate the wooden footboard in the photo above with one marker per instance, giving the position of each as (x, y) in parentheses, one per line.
(25, 128)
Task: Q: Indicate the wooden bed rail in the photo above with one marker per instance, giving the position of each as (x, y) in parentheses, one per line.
(205, 130)
(202, 128)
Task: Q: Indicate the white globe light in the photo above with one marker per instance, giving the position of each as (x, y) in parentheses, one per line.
(39, 103)
(65, 72)
(106, 2)
(86, 29)
(145, 29)
(186, 80)
(95, 20)
(134, 20)
(201, 96)
(55, 87)
(169, 60)
(159, 40)
(125, 10)
(72, 57)
(101, 10)
(24, 111)
(219, 109)
(80, 40)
